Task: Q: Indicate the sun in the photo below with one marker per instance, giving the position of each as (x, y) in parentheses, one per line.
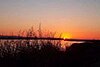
(66, 35)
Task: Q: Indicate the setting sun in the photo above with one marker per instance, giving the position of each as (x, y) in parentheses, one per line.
(66, 35)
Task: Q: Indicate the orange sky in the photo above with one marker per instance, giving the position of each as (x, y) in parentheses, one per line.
(80, 19)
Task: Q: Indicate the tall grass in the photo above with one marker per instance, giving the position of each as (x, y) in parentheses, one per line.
(14, 47)
(46, 53)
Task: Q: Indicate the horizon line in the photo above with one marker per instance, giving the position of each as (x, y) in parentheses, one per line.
(47, 38)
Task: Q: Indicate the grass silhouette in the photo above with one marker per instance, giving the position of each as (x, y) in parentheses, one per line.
(47, 53)
(19, 53)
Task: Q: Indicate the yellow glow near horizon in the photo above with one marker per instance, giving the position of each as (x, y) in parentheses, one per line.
(66, 35)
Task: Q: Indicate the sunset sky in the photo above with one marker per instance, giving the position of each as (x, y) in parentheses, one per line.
(77, 18)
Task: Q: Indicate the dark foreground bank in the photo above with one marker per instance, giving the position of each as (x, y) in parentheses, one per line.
(48, 55)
